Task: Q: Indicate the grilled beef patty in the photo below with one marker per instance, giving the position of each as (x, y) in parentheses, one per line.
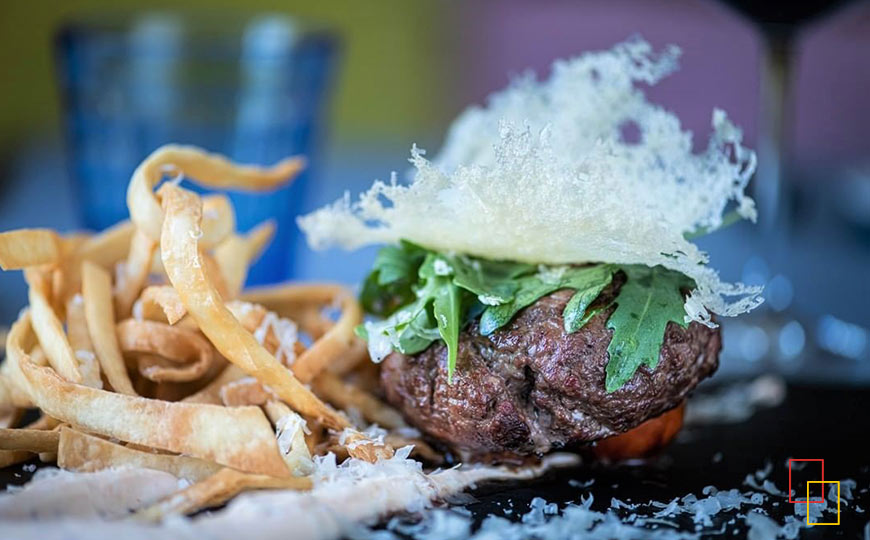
(529, 387)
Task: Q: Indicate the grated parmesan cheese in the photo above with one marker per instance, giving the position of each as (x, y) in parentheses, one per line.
(285, 331)
(542, 174)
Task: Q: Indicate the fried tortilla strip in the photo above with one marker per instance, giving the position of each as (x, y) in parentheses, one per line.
(218, 222)
(216, 490)
(239, 437)
(29, 247)
(291, 430)
(160, 370)
(80, 341)
(183, 262)
(103, 249)
(9, 416)
(133, 273)
(191, 353)
(212, 391)
(81, 452)
(49, 329)
(237, 253)
(346, 396)
(30, 440)
(336, 343)
(161, 303)
(99, 313)
(245, 391)
(337, 348)
(209, 170)
(107, 247)
(12, 394)
(11, 457)
(277, 335)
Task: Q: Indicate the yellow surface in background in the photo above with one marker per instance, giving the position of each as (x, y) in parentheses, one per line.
(391, 81)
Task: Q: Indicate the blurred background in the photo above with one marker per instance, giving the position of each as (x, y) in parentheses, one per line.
(90, 87)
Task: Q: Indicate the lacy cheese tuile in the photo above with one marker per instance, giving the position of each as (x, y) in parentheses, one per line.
(544, 174)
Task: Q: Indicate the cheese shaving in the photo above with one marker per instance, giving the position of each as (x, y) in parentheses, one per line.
(544, 175)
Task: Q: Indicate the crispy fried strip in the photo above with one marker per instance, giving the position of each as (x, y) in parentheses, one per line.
(160, 370)
(213, 272)
(177, 345)
(30, 440)
(235, 254)
(239, 437)
(207, 169)
(216, 490)
(9, 416)
(49, 330)
(11, 457)
(29, 247)
(291, 438)
(361, 447)
(104, 249)
(80, 341)
(252, 318)
(337, 341)
(161, 303)
(183, 262)
(218, 222)
(344, 396)
(338, 350)
(107, 247)
(245, 391)
(133, 273)
(81, 452)
(12, 395)
(99, 313)
(212, 391)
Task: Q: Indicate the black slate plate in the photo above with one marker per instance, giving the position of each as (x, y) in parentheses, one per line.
(832, 423)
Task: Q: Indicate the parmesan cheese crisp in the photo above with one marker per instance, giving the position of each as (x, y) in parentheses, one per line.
(544, 175)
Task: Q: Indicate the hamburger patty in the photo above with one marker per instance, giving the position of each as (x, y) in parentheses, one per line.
(529, 387)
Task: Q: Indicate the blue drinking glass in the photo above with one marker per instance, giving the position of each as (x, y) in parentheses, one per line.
(252, 88)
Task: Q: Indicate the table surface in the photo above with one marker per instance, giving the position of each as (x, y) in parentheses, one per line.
(829, 423)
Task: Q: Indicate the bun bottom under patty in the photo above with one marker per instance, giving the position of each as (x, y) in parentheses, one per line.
(529, 387)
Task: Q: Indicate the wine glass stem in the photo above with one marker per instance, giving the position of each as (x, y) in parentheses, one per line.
(770, 190)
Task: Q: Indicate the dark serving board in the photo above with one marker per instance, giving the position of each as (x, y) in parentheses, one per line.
(830, 423)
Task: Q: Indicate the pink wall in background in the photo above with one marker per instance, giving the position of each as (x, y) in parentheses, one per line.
(832, 103)
(719, 67)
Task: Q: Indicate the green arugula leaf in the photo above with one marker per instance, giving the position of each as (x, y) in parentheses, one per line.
(531, 288)
(390, 283)
(446, 309)
(647, 301)
(419, 334)
(588, 285)
(494, 282)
